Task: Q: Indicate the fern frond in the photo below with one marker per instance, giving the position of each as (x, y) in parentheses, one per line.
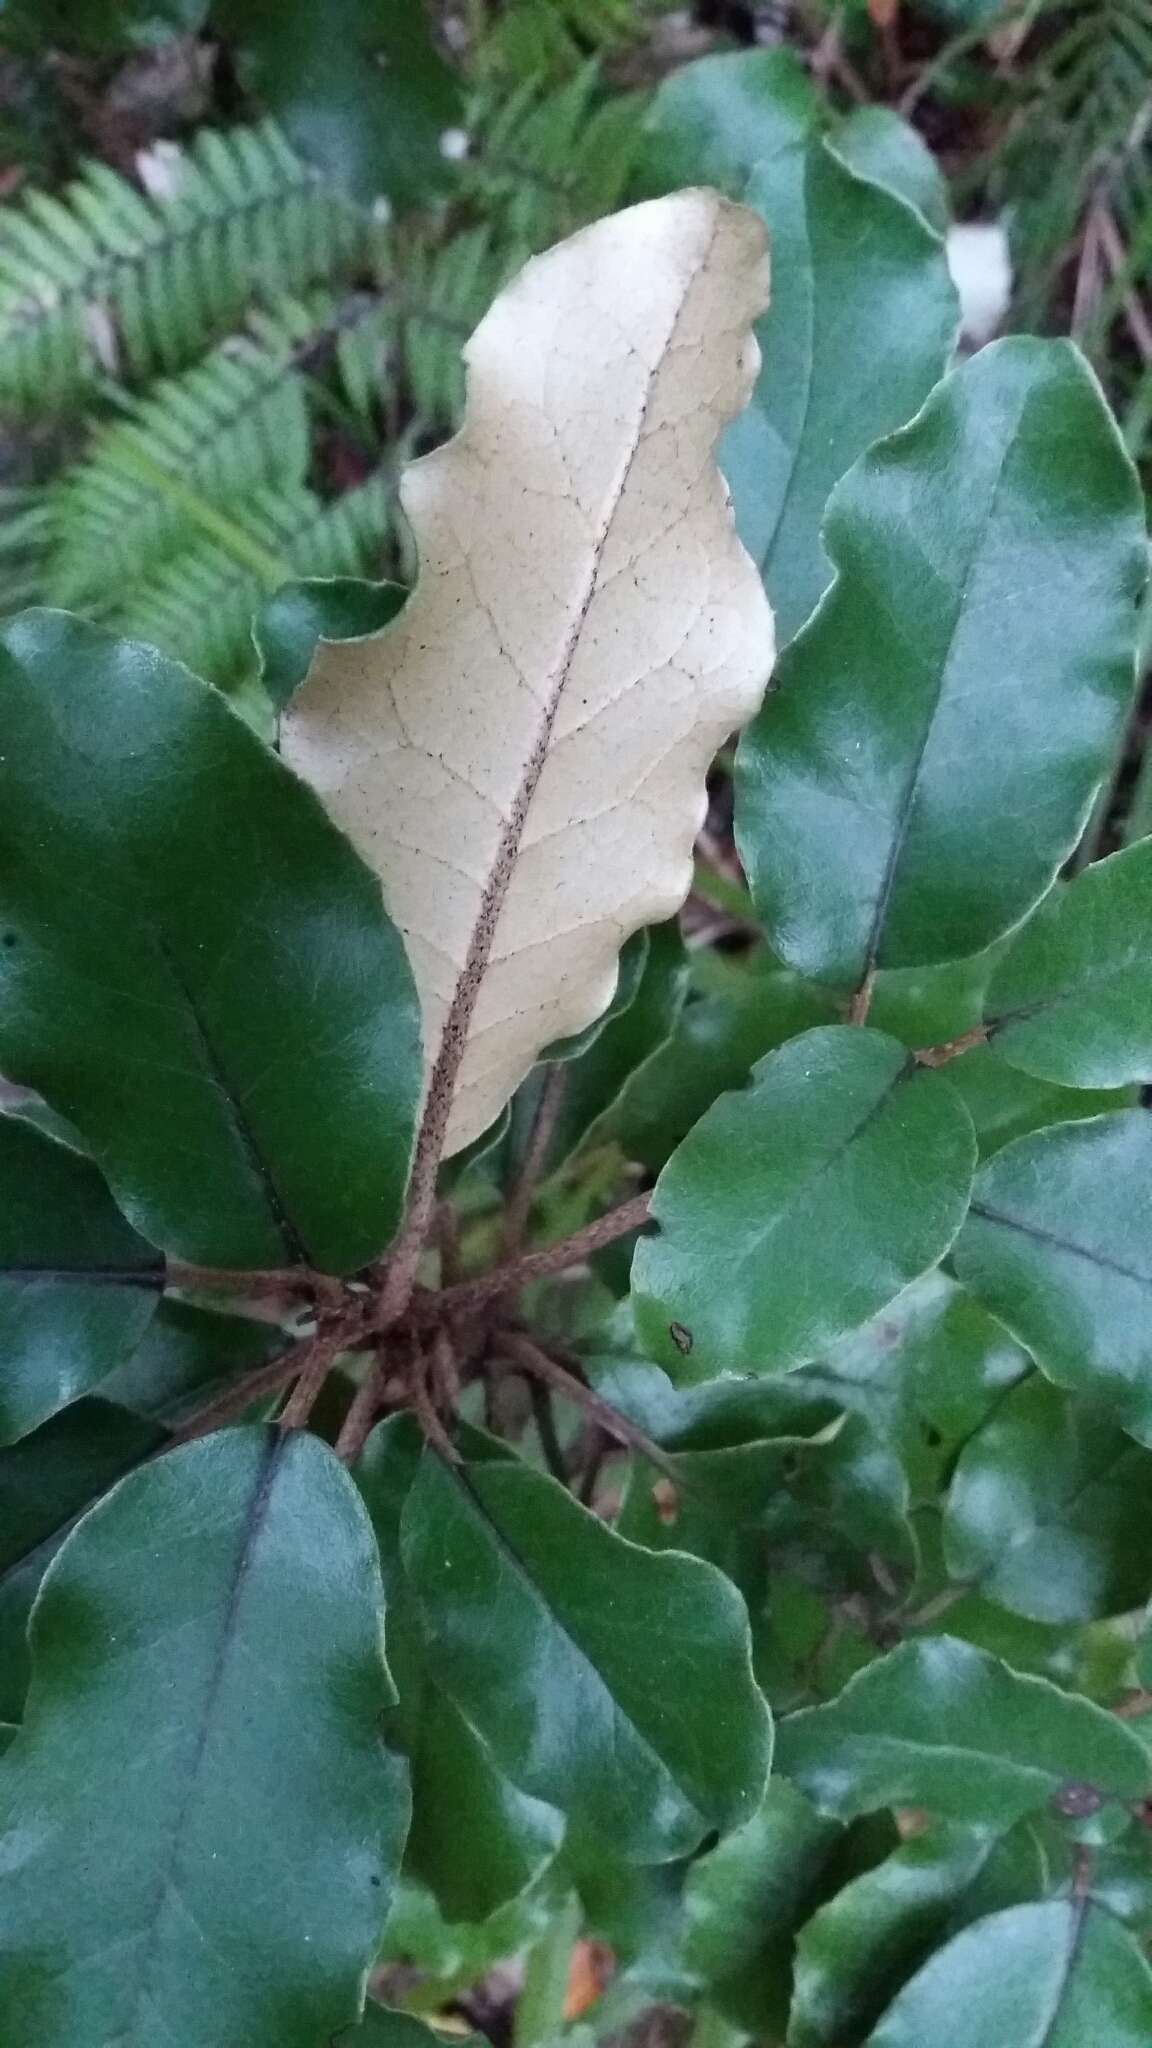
(106, 280)
(432, 296)
(212, 436)
(1085, 140)
(548, 39)
(546, 161)
(200, 605)
(25, 538)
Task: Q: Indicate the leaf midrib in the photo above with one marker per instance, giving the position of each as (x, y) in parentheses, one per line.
(274, 1452)
(523, 1572)
(455, 1031)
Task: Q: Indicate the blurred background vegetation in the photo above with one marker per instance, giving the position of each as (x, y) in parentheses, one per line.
(241, 242)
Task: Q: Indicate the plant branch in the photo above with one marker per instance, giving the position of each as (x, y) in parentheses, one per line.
(555, 1258)
(540, 1364)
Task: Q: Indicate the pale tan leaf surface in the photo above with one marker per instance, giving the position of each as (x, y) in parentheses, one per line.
(521, 754)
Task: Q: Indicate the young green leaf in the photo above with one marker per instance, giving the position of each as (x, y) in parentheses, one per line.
(933, 707)
(1057, 1246)
(839, 1140)
(78, 1287)
(1047, 1511)
(941, 1725)
(615, 1684)
(1072, 999)
(521, 755)
(199, 1819)
(1058, 1975)
(861, 326)
(195, 967)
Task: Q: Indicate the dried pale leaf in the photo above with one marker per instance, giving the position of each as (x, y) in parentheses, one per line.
(521, 755)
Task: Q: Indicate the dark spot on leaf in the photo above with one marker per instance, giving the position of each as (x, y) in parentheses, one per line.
(682, 1338)
(1077, 1801)
(377, 1882)
(11, 939)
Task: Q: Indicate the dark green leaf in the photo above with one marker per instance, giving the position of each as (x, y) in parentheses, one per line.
(1059, 1975)
(1004, 1103)
(185, 1353)
(1057, 1246)
(839, 1140)
(742, 1903)
(196, 968)
(592, 1083)
(1048, 1510)
(78, 1287)
(865, 1941)
(861, 324)
(203, 1817)
(45, 1482)
(615, 1684)
(316, 608)
(933, 706)
(715, 1045)
(960, 1362)
(712, 122)
(944, 1726)
(1072, 1000)
(877, 144)
(358, 88)
(472, 1869)
(773, 1455)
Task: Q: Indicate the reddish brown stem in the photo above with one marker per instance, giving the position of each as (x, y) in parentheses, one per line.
(939, 1055)
(555, 1258)
(531, 1359)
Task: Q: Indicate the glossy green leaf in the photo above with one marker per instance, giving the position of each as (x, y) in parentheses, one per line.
(1071, 1001)
(861, 324)
(742, 1903)
(877, 144)
(1005, 1103)
(839, 1140)
(712, 122)
(78, 1287)
(933, 706)
(615, 1684)
(1058, 1975)
(196, 968)
(863, 314)
(716, 1043)
(1058, 1246)
(358, 88)
(46, 1481)
(941, 1725)
(472, 1869)
(960, 1362)
(593, 1082)
(185, 1355)
(299, 614)
(1048, 1510)
(777, 1456)
(880, 1927)
(199, 1818)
